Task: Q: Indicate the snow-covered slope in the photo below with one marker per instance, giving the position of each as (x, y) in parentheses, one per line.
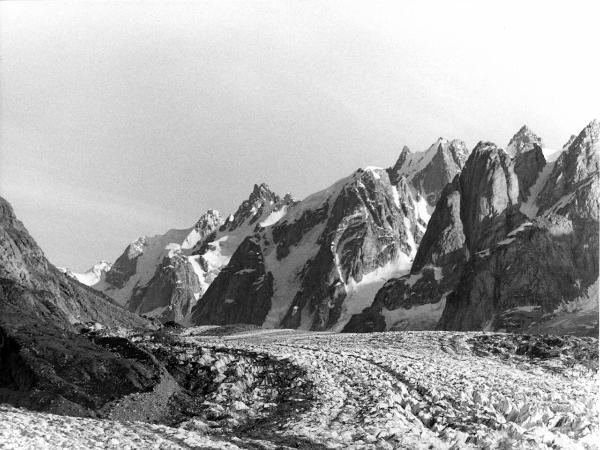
(163, 276)
(90, 277)
(322, 261)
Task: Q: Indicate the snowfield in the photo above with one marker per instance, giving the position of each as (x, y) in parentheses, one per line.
(268, 389)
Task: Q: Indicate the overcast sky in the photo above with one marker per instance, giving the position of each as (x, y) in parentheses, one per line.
(121, 119)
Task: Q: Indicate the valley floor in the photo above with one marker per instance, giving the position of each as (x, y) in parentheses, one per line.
(413, 390)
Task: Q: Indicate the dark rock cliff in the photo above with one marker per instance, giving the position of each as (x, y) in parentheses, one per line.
(44, 363)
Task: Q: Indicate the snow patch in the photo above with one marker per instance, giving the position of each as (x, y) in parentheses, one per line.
(396, 196)
(519, 229)
(274, 217)
(360, 295)
(530, 207)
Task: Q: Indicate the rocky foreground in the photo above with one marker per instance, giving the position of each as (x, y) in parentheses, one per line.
(240, 387)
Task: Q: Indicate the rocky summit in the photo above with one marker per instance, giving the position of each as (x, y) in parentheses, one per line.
(496, 257)
(407, 248)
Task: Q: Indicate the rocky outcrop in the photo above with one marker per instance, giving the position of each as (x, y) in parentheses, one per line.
(125, 266)
(446, 243)
(44, 363)
(171, 292)
(156, 276)
(543, 277)
(33, 286)
(428, 172)
(252, 210)
(572, 187)
(489, 197)
(241, 293)
(544, 271)
(528, 166)
(312, 268)
(475, 211)
(164, 276)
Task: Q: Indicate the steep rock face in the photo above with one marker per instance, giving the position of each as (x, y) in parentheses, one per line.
(245, 287)
(44, 364)
(20, 257)
(544, 276)
(164, 276)
(489, 196)
(528, 166)
(156, 276)
(428, 172)
(35, 286)
(572, 187)
(474, 211)
(323, 260)
(171, 292)
(125, 266)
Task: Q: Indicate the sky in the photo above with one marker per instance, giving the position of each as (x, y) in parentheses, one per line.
(122, 119)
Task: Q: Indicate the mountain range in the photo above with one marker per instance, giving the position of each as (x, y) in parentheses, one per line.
(447, 238)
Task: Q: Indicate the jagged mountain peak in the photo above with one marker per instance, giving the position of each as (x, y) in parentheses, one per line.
(429, 171)
(569, 142)
(318, 264)
(523, 140)
(261, 199)
(208, 219)
(572, 187)
(480, 264)
(263, 192)
(401, 159)
(589, 135)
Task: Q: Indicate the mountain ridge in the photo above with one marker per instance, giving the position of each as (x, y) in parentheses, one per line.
(178, 284)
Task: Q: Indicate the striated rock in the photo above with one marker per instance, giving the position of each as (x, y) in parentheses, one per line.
(171, 292)
(428, 172)
(164, 276)
(543, 277)
(572, 187)
(528, 166)
(489, 197)
(476, 210)
(319, 258)
(446, 243)
(35, 287)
